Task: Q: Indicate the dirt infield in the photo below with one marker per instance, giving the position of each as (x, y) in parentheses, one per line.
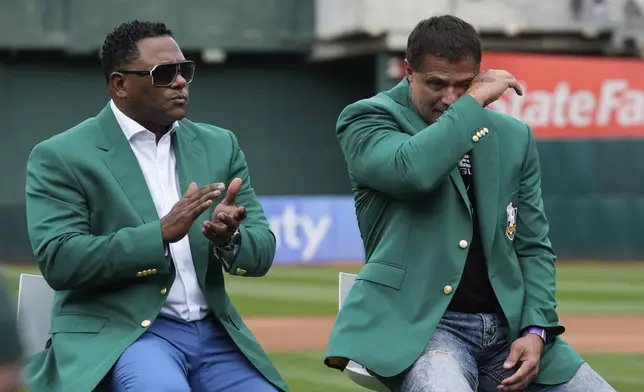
(587, 334)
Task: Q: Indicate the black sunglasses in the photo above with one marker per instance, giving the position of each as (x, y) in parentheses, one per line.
(163, 75)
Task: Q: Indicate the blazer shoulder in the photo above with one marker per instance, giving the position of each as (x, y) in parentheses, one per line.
(212, 134)
(205, 129)
(381, 103)
(70, 140)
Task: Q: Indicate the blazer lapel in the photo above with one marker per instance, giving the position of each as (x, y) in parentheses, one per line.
(400, 93)
(193, 166)
(485, 167)
(455, 176)
(122, 162)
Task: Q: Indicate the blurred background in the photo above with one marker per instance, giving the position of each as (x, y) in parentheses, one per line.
(278, 73)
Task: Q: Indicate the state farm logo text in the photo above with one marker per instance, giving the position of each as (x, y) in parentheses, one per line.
(615, 107)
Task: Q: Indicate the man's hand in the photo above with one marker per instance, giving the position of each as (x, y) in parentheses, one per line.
(10, 377)
(226, 217)
(527, 352)
(489, 85)
(194, 202)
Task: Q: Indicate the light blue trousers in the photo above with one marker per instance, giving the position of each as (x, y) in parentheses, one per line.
(178, 356)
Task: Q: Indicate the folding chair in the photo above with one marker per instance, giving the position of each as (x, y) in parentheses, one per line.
(35, 302)
(356, 372)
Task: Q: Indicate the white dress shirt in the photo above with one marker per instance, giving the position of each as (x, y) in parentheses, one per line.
(158, 164)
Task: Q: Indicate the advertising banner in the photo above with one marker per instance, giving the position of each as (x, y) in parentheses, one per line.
(570, 97)
(314, 229)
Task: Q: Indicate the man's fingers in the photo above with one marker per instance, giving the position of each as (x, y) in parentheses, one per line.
(516, 86)
(196, 206)
(233, 190)
(515, 353)
(241, 213)
(229, 221)
(200, 209)
(206, 190)
(520, 380)
(212, 229)
(192, 189)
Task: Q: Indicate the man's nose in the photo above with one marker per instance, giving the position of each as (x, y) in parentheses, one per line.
(179, 82)
(450, 96)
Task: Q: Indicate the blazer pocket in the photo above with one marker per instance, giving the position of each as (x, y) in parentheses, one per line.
(77, 323)
(386, 274)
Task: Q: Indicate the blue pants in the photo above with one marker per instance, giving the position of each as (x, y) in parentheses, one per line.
(466, 353)
(178, 356)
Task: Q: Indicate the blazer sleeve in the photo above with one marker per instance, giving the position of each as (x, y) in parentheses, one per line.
(534, 251)
(256, 251)
(68, 254)
(381, 157)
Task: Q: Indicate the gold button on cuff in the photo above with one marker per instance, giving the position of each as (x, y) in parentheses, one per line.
(145, 323)
(479, 134)
(154, 271)
(240, 271)
(485, 130)
(475, 139)
(462, 244)
(164, 291)
(139, 274)
(447, 289)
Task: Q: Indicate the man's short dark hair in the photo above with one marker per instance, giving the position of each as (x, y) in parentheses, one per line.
(121, 45)
(443, 36)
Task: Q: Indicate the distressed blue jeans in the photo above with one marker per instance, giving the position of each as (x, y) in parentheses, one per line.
(466, 354)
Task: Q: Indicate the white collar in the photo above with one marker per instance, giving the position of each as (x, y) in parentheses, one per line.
(131, 127)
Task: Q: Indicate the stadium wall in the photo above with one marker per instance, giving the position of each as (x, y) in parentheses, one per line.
(586, 113)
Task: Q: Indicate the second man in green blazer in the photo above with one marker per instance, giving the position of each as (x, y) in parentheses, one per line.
(458, 289)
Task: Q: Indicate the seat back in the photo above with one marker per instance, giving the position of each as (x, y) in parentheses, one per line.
(35, 302)
(346, 281)
(356, 372)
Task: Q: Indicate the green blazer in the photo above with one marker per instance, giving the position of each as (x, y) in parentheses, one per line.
(97, 240)
(415, 220)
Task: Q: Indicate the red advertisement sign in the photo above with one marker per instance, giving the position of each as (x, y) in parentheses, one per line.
(568, 97)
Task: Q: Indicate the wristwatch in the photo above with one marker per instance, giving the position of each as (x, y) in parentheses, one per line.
(226, 253)
(535, 331)
(232, 242)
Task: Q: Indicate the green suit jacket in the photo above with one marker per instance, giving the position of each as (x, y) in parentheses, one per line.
(97, 239)
(415, 220)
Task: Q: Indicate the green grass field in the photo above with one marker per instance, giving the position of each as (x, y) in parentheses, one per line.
(310, 290)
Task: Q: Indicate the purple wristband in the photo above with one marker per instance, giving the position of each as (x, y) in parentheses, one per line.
(536, 331)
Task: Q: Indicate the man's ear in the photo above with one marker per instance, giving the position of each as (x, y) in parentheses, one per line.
(408, 70)
(118, 84)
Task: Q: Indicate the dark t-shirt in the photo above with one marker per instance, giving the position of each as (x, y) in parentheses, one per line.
(474, 294)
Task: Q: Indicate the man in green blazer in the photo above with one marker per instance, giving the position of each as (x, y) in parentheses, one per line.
(131, 223)
(458, 289)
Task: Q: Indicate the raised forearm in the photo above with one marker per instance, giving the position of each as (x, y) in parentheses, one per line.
(68, 254)
(75, 261)
(380, 156)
